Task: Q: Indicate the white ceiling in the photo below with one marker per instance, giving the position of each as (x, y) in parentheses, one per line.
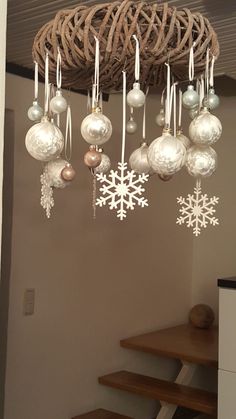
(25, 17)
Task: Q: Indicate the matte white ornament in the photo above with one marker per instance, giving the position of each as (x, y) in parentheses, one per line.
(136, 97)
(54, 169)
(185, 140)
(104, 166)
(205, 129)
(160, 118)
(58, 103)
(138, 160)
(190, 97)
(197, 210)
(44, 141)
(131, 126)
(212, 101)
(96, 128)
(201, 161)
(35, 112)
(166, 154)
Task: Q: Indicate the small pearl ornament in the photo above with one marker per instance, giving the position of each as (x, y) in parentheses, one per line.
(68, 172)
(131, 126)
(160, 118)
(92, 158)
(190, 97)
(212, 101)
(205, 129)
(35, 112)
(136, 97)
(201, 161)
(54, 169)
(44, 141)
(138, 160)
(58, 103)
(96, 128)
(104, 166)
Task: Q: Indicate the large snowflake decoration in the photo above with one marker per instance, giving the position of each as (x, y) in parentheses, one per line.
(122, 191)
(197, 210)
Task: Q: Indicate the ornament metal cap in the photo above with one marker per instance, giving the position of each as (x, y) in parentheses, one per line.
(136, 85)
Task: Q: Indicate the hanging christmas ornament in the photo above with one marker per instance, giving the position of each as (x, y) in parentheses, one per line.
(68, 173)
(58, 103)
(160, 118)
(184, 140)
(54, 170)
(131, 126)
(122, 189)
(197, 210)
(211, 100)
(190, 97)
(136, 97)
(35, 112)
(105, 164)
(96, 128)
(205, 129)
(44, 141)
(166, 154)
(201, 161)
(92, 158)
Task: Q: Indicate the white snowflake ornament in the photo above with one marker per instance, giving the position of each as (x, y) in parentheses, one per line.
(197, 210)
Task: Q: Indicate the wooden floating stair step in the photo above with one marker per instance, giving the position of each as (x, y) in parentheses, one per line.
(156, 389)
(101, 414)
(185, 342)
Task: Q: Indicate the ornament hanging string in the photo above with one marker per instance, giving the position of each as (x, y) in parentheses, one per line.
(101, 101)
(68, 136)
(174, 106)
(211, 81)
(36, 81)
(59, 74)
(47, 87)
(88, 103)
(207, 72)
(96, 73)
(180, 109)
(167, 102)
(202, 91)
(191, 63)
(124, 119)
(144, 115)
(137, 59)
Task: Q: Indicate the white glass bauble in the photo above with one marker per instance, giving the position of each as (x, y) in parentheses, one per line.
(35, 112)
(138, 160)
(160, 118)
(212, 101)
(193, 112)
(205, 129)
(201, 161)
(185, 140)
(96, 128)
(58, 103)
(53, 170)
(190, 97)
(104, 166)
(131, 126)
(44, 141)
(136, 97)
(166, 154)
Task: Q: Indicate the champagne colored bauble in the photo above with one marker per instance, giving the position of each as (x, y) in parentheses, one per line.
(166, 154)
(212, 101)
(68, 172)
(201, 161)
(160, 118)
(54, 169)
(136, 97)
(58, 103)
(193, 113)
(35, 112)
(202, 316)
(138, 160)
(44, 141)
(92, 158)
(131, 126)
(185, 140)
(205, 129)
(96, 128)
(190, 97)
(104, 166)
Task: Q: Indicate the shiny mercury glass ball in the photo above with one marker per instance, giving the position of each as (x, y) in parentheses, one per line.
(35, 112)
(138, 160)
(58, 103)
(190, 97)
(131, 126)
(104, 166)
(193, 112)
(166, 154)
(44, 141)
(68, 172)
(53, 170)
(160, 118)
(201, 161)
(92, 158)
(185, 140)
(136, 97)
(205, 129)
(96, 128)
(212, 101)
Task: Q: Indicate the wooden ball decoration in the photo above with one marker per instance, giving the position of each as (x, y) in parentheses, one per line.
(202, 316)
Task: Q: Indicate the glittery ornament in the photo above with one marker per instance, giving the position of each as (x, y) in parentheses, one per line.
(201, 161)
(92, 158)
(104, 166)
(205, 129)
(211, 101)
(190, 97)
(136, 97)
(138, 160)
(54, 169)
(96, 128)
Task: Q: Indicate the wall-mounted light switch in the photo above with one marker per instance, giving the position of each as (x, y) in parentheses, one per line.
(29, 301)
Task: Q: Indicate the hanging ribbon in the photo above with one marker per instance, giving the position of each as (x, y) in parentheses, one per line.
(59, 75)
(211, 81)
(174, 107)
(180, 109)
(144, 115)
(207, 72)
(88, 103)
(47, 89)
(68, 136)
(124, 119)
(96, 73)
(36, 81)
(101, 101)
(202, 91)
(191, 63)
(167, 102)
(137, 59)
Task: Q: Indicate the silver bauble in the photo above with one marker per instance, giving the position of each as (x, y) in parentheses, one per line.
(205, 129)
(185, 140)
(190, 97)
(136, 97)
(138, 160)
(201, 161)
(193, 112)
(35, 112)
(58, 103)
(131, 126)
(96, 128)
(212, 101)
(104, 166)
(166, 154)
(160, 118)
(44, 141)
(53, 170)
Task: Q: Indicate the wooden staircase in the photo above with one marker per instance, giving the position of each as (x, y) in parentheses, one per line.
(190, 345)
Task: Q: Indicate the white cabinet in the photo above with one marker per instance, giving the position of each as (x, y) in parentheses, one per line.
(227, 395)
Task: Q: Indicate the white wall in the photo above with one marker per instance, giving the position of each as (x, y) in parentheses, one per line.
(96, 282)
